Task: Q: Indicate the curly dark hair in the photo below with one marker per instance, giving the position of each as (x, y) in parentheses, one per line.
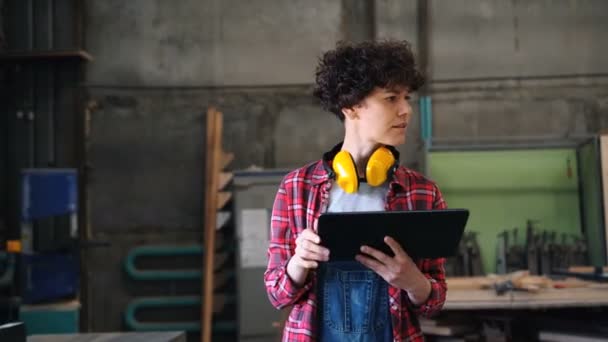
(346, 75)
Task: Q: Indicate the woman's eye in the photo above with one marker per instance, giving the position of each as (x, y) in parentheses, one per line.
(391, 98)
(408, 97)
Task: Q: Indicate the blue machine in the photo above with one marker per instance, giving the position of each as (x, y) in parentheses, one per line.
(48, 277)
(48, 193)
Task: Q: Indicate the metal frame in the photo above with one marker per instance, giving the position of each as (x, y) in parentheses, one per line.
(595, 141)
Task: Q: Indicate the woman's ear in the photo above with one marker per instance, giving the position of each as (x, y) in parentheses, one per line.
(350, 113)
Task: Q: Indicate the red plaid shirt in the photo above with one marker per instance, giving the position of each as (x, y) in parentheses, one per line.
(302, 196)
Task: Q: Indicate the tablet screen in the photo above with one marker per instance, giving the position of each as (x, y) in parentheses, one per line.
(421, 233)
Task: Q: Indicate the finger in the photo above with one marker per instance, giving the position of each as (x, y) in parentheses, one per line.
(308, 242)
(395, 246)
(310, 255)
(313, 247)
(372, 264)
(308, 234)
(304, 236)
(383, 258)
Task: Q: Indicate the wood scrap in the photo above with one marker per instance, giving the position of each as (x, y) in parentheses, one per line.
(585, 269)
(571, 283)
(521, 280)
(448, 326)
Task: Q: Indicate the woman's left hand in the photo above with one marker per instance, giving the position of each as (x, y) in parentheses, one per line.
(400, 270)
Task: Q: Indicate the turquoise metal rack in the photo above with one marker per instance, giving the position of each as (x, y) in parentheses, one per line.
(160, 302)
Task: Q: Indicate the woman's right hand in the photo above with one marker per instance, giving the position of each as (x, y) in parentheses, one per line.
(307, 255)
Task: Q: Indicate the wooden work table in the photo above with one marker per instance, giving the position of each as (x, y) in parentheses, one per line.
(480, 299)
(533, 292)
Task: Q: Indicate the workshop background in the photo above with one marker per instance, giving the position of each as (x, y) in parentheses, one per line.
(118, 116)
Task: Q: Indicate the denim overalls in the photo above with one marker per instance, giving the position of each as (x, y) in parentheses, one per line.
(353, 303)
(352, 299)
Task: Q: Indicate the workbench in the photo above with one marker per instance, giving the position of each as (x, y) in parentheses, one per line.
(517, 306)
(526, 292)
(482, 299)
(112, 337)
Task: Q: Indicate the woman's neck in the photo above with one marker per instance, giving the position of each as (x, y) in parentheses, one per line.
(360, 151)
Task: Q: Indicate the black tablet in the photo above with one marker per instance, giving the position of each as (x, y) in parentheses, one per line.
(421, 233)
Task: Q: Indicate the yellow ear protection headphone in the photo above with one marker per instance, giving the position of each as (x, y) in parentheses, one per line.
(379, 168)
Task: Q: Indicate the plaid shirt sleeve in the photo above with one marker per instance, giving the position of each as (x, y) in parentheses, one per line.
(434, 270)
(281, 289)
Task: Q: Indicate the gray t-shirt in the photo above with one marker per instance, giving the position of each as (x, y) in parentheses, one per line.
(368, 198)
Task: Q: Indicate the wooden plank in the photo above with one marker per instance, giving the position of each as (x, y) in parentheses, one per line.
(224, 179)
(448, 330)
(604, 172)
(571, 283)
(222, 198)
(221, 280)
(520, 279)
(564, 295)
(585, 269)
(67, 305)
(227, 158)
(220, 260)
(450, 325)
(219, 303)
(476, 299)
(112, 337)
(553, 336)
(213, 158)
(222, 218)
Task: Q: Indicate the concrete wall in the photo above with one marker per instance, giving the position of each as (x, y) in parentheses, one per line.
(210, 42)
(496, 38)
(221, 43)
(501, 70)
(159, 65)
(519, 112)
(139, 137)
(519, 38)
